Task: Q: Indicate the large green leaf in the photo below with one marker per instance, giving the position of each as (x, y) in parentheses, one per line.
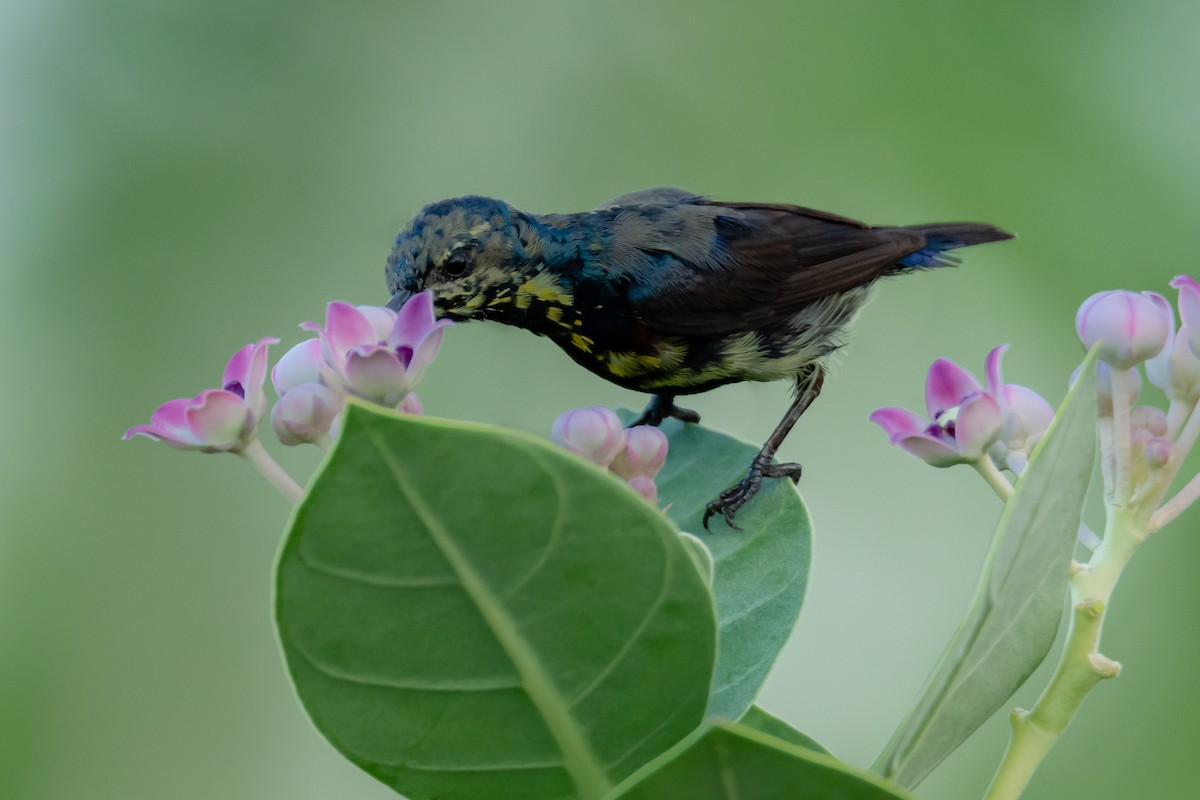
(726, 761)
(760, 572)
(1018, 604)
(469, 612)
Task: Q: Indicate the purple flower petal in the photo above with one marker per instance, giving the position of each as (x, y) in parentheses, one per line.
(220, 420)
(1028, 415)
(898, 422)
(930, 450)
(381, 319)
(1189, 308)
(255, 375)
(946, 385)
(414, 320)
(346, 328)
(424, 353)
(171, 414)
(977, 425)
(992, 370)
(376, 374)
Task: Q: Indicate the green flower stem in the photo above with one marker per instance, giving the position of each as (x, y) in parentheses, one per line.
(257, 455)
(1081, 665)
(995, 479)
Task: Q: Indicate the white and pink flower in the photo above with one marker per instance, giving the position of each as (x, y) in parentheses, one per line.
(216, 420)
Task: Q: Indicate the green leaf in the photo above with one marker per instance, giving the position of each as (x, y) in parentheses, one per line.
(768, 723)
(761, 572)
(1018, 604)
(726, 761)
(470, 612)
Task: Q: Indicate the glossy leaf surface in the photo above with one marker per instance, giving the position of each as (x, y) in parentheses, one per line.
(469, 612)
(760, 572)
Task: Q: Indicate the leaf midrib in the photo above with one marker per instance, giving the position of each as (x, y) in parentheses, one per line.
(578, 757)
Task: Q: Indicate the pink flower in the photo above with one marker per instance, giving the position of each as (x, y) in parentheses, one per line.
(378, 354)
(1176, 369)
(643, 455)
(303, 364)
(1189, 308)
(594, 433)
(966, 420)
(1026, 415)
(305, 414)
(1131, 327)
(216, 420)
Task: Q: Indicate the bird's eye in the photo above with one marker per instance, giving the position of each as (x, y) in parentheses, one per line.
(458, 262)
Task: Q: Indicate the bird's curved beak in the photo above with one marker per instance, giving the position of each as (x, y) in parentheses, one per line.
(398, 299)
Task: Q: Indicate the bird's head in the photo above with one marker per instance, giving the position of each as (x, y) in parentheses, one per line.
(466, 250)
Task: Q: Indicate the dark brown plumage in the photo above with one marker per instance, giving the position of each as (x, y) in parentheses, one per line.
(667, 292)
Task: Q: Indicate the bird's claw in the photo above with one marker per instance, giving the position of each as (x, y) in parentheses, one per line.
(657, 410)
(733, 498)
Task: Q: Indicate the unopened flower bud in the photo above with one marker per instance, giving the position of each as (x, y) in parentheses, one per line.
(304, 414)
(646, 488)
(411, 405)
(1157, 452)
(1131, 327)
(644, 453)
(302, 364)
(594, 433)
(1149, 419)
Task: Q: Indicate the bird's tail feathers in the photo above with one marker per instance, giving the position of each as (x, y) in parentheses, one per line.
(943, 236)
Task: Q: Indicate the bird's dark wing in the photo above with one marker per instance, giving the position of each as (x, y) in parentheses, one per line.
(719, 268)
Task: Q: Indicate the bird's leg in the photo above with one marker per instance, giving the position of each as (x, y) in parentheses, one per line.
(733, 498)
(662, 406)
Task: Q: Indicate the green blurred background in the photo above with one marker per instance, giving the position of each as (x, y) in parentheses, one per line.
(181, 178)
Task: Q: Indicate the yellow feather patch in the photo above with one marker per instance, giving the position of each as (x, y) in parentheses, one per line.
(582, 342)
(627, 365)
(544, 287)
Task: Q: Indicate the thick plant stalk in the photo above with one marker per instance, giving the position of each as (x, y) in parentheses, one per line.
(1081, 665)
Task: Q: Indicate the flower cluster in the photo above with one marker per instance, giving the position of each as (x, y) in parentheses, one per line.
(595, 433)
(970, 423)
(996, 425)
(216, 420)
(1143, 447)
(368, 352)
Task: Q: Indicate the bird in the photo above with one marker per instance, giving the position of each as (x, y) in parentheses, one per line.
(670, 293)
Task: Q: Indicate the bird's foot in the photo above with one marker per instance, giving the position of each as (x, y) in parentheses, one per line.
(660, 408)
(733, 498)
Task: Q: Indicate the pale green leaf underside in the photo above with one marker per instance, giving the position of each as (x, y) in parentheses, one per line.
(469, 612)
(726, 761)
(766, 722)
(1018, 604)
(761, 572)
